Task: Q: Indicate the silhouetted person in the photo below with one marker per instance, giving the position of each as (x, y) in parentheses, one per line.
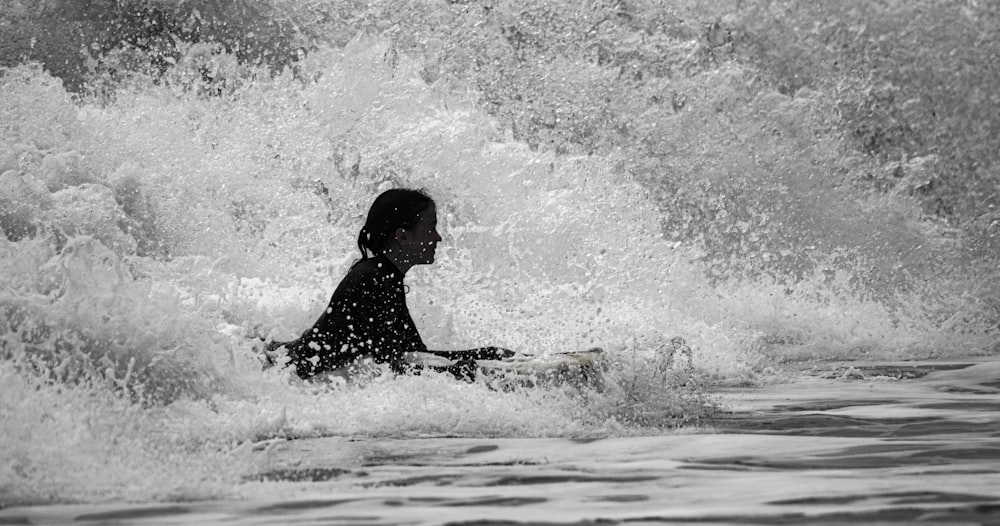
(367, 316)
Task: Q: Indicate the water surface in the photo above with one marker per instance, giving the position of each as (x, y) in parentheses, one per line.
(182, 201)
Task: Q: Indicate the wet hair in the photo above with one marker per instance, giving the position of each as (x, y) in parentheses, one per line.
(392, 209)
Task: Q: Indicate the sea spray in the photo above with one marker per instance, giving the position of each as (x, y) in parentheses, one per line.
(242, 205)
(80, 442)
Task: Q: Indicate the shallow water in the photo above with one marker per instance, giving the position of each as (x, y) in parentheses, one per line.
(852, 442)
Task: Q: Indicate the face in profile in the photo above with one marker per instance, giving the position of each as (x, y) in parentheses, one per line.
(419, 242)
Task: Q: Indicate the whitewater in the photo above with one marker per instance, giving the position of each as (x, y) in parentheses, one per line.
(154, 236)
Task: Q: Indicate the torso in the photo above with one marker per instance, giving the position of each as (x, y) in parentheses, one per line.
(366, 316)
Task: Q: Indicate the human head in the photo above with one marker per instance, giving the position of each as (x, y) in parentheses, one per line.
(393, 209)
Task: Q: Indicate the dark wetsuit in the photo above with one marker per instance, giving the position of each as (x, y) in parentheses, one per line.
(367, 316)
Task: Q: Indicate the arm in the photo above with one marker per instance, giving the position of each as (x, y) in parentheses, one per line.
(481, 353)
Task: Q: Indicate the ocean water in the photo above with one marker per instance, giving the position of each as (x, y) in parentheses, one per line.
(152, 234)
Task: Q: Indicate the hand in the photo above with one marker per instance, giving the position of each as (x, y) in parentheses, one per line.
(502, 353)
(492, 353)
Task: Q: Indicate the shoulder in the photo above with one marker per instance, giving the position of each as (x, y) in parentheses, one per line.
(364, 267)
(374, 270)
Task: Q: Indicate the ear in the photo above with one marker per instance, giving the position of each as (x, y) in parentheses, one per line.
(400, 234)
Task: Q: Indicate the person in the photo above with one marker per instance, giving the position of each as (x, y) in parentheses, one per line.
(367, 315)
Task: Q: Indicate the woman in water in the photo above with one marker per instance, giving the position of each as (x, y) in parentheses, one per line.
(367, 315)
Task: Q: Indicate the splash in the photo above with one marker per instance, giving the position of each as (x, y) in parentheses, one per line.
(152, 234)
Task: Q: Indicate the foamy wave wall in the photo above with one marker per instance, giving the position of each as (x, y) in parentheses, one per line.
(150, 237)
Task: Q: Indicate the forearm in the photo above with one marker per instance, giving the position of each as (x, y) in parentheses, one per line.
(481, 353)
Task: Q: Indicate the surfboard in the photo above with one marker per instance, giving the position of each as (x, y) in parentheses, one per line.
(527, 370)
